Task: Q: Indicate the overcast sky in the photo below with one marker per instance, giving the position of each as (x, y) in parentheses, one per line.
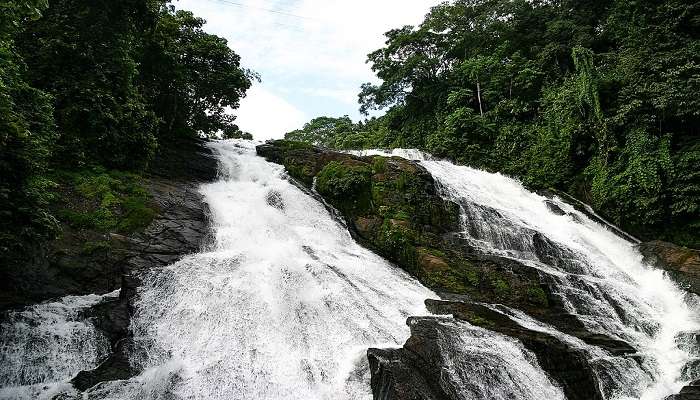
(310, 54)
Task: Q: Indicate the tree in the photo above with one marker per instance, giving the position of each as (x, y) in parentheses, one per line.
(191, 77)
(596, 98)
(323, 131)
(26, 138)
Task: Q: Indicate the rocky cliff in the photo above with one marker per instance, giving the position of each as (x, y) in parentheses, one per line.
(393, 207)
(84, 261)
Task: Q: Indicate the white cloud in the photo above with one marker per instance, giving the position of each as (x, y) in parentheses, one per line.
(266, 115)
(317, 63)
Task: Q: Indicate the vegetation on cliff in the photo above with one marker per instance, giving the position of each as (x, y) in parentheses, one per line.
(598, 99)
(94, 88)
(392, 206)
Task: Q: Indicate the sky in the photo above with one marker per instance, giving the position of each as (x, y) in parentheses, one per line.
(310, 54)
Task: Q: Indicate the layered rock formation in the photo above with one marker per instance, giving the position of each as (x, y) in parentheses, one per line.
(393, 206)
(179, 228)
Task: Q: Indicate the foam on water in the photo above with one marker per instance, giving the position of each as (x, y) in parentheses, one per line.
(284, 304)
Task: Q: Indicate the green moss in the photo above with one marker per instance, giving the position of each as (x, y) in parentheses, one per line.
(472, 278)
(104, 201)
(500, 287)
(379, 165)
(402, 182)
(452, 281)
(435, 252)
(347, 186)
(537, 295)
(479, 321)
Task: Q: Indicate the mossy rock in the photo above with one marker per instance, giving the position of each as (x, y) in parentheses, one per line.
(347, 185)
(392, 206)
(104, 201)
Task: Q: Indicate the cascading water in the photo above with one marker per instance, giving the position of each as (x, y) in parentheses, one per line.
(600, 276)
(43, 346)
(284, 304)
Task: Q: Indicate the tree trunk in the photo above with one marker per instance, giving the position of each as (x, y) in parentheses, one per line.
(478, 94)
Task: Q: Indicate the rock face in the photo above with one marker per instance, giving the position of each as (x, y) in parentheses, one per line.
(681, 262)
(179, 228)
(393, 206)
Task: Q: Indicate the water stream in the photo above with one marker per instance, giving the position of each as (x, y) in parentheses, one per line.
(599, 276)
(284, 303)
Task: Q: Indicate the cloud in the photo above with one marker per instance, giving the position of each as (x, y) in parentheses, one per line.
(315, 58)
(267, 115)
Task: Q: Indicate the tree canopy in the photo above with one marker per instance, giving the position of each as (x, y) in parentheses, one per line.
(101, 83)
(596, 98)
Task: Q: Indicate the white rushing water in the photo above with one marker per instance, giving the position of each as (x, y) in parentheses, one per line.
(601, 277)
(284, 303)
(42, 347)
(283, 306)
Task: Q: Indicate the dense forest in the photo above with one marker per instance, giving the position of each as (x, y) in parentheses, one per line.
(89, 91)
(596, 98)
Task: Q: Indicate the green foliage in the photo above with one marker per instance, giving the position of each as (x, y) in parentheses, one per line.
(27, 135)
(191, 77)
(323, 131)
(100, 83)
(595, 98)
(537, 295)
(105, 201)
(378, 165)
(345, 183)
(232, 132)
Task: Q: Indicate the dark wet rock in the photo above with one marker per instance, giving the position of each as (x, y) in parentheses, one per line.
(682, 263)
(554, 208)
(567, 364)
(689, 392)
(418, 370)
(401, 374)
(274, 199)
(557, 255)
(116, 367)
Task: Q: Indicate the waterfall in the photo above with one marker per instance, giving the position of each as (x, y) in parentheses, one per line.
(600, 277)
(43, 346)
(284, 303)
